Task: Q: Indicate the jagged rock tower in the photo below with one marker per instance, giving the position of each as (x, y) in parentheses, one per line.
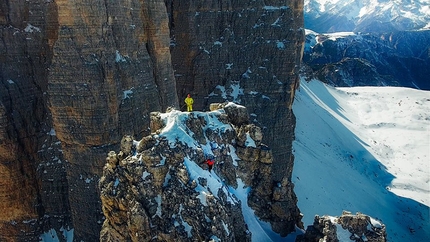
(75, 76)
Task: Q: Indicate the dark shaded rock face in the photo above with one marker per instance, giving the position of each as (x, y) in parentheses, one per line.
(250, 54)
(77, 75)
(393, 59)
(347, 227)
(159, 188)
(103, 81)
(33, 185)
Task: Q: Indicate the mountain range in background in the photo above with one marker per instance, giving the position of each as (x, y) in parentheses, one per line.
(368, 43)
(366, 15)
(369, 59)
(352, 43)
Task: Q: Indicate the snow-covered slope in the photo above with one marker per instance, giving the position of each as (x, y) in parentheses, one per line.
(176, 129)
(364, 149)
(366, 15)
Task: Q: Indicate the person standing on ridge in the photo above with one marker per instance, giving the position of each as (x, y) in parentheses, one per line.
(189, 101)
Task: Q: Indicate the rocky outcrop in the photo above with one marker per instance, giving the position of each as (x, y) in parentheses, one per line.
(347, 227)
(158, 188)
(77, 75)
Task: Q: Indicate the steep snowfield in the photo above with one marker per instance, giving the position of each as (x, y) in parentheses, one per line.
(176, 130)
(364, 149)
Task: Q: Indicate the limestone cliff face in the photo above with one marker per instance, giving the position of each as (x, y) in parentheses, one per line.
(247, 52)
(159, 187)
(33, 184)
(243, 51)
(77, 75)
(105, 77)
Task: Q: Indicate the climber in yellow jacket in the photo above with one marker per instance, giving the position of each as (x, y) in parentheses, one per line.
(189, 101)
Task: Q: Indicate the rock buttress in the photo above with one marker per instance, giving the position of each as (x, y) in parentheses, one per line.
(160, 188)
(102, 84)
(359, 227)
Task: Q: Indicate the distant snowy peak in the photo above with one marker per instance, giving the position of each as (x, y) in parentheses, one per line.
(366, 15)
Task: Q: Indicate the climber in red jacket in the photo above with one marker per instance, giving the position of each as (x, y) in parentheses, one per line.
(210, 163)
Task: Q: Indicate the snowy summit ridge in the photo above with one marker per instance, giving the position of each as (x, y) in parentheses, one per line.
(160, 187)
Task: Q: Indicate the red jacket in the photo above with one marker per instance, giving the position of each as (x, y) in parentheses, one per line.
(210, 162)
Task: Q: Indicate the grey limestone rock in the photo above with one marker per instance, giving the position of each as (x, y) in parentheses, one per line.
(157, 193)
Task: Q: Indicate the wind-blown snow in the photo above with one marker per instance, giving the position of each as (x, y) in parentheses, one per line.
(30, 29)
(176, 130)
(234, 92)
(261, 231)
(364, 149)
(127, 94)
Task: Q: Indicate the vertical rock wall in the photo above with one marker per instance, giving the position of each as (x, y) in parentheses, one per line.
(111, 66)
(247, 52)
(77, 75)
(33, 186)
(243, 51)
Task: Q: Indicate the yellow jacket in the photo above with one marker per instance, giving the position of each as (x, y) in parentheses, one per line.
(189, 101)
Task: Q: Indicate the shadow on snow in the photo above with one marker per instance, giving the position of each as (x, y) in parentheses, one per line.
(333, 170)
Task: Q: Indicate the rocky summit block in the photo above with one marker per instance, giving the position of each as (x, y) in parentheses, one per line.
(347, 227)
(160, 187)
